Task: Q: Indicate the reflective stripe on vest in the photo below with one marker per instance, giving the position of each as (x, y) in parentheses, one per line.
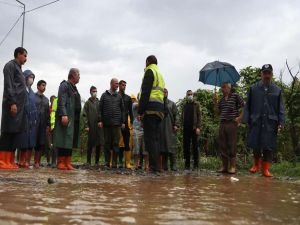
(157, 92)
(53, 112)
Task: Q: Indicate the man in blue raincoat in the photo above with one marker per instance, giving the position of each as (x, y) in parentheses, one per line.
(264, 114)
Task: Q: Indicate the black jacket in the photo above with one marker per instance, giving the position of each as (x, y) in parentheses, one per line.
(43, 117)
(14, 93)
(127, 107)
(111, 111)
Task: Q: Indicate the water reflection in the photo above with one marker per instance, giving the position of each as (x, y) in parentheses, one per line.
(93, 197)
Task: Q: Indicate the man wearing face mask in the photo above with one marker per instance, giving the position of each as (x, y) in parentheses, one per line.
(67, 122)
(95, 133)
(43, 122)
(26, 140)
(191, 118)
(13, 103)
(264, 115)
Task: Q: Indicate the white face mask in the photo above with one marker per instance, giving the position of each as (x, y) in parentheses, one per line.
(30, 81)
(190, 98)
(94, 94)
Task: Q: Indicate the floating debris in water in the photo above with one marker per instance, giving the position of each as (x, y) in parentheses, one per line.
(233, 179)
(51, 180)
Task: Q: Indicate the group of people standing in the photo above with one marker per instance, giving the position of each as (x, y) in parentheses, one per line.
(144, 125)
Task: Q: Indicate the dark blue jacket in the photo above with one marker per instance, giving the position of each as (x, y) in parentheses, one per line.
(27, 138)
(263, 112)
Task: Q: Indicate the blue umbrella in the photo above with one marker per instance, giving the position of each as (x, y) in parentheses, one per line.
(216, 73)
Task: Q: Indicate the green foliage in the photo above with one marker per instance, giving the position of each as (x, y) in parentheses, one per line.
(210, 123)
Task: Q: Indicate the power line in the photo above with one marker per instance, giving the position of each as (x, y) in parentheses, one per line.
(41, 6)
(22, 14)
(11, 29)
(10, 4)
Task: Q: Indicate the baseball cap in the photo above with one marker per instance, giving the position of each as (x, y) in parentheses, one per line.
(267, 67)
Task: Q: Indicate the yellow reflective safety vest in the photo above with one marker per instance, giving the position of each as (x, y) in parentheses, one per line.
(157, 92)
(53, 113)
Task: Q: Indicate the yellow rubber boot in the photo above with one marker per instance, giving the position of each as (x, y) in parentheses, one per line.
(127, 159)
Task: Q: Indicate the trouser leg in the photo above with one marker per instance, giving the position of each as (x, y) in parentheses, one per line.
(223, 148)
(97, 154)
(89, 155)
(165, 161)
(172, 157)
(152, 140)
(186, 148)
(195, 150)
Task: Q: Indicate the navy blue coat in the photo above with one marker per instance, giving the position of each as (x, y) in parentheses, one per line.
(43, 118)
(263, 112)
(27, 138)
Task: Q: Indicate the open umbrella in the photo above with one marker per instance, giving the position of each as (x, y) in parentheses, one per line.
(216, 73)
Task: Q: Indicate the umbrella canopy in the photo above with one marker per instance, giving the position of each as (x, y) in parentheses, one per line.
(216, 73)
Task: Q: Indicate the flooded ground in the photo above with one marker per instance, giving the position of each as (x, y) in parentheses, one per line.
(99, 197)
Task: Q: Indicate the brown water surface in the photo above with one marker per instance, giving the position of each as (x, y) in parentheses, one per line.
(98, 197)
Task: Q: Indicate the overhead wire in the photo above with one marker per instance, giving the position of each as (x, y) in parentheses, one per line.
(41, 6)
(4, 38)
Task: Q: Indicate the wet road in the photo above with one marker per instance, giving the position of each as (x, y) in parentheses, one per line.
(93, 197)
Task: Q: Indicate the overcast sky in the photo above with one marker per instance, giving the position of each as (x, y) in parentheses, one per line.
(112, 38)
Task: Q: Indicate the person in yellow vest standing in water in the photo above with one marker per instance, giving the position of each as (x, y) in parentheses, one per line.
(53, 150)
(151, 110)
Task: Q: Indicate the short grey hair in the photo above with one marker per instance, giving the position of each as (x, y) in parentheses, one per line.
(72, 71)
(227, 83)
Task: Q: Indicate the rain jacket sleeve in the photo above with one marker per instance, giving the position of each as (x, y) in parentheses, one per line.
(281, 116)
(146, 90)
(84, 115)
(122, 110)
(62, 100)
(246, 114)
(8, 72)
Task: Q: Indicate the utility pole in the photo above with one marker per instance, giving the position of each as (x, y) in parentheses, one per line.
(22, 43)
(24, 12)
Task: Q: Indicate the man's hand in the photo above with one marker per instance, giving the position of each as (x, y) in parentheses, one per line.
(87, 129)
(238, 120)
(139, 118)
(100, 124)
(48, 130)
(280, 127)
(215, 98)
(13, 110)
(64, 120)
(175, 128)
(197, 131)
(123, 125)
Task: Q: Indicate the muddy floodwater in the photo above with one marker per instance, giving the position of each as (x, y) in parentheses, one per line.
(99, 197)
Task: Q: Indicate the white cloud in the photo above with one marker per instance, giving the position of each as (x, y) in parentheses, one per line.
(106, 39)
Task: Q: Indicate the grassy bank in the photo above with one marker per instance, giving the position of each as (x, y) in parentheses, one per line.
(281, 169)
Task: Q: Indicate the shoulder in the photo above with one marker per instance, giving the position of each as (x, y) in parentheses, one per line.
(236, 95)
(10, 65)
(171, 102)
(105, 93)
(196, 103)
(64, 84)
(128, 97)
(149, 72)
(276, 88)
(256, 85)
